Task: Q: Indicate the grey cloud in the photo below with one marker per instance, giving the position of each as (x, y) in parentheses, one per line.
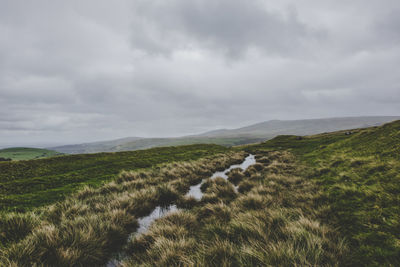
(230, 27)
(387, 27)
(81, 71)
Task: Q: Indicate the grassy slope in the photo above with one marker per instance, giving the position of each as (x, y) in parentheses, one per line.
(360, 178)
(26, 153)
(34, 183)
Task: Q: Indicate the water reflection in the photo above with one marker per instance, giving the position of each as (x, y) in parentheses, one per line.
(195, 190)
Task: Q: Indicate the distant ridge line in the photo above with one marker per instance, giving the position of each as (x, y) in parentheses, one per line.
(228, 137)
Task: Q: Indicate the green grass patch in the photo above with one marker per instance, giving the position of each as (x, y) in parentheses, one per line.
(28, 184)
(26, 153)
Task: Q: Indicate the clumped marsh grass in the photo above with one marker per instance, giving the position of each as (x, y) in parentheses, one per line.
(235, 176)
(261, 226)
(92, 224)
(15, 226)
(217, 190)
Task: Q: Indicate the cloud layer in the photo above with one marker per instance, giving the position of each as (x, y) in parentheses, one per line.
(75, 71)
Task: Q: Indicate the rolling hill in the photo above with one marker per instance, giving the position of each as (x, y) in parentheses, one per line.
(26, 153)
(273, 128)
(231, 137)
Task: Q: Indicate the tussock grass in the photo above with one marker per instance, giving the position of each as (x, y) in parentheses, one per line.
(253, 201)
(15, 226)
(218, 190)
(235, 176)
(259, 226)
(219, 212)
(82, 241)
(92, 224)
(187, 202)
(245, 186)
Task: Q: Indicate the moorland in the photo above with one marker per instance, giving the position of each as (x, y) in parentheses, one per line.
(328, 199)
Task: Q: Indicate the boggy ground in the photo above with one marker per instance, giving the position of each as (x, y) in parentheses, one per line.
(91, 225)
(323, 200)
(272, 219)
(29, 184)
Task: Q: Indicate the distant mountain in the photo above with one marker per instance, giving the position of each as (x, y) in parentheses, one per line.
(302, 127)
(229, 137)
(144, 143)
(93, 147)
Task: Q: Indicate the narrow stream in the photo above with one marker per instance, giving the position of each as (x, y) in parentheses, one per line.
(159, 212)
(195, 190)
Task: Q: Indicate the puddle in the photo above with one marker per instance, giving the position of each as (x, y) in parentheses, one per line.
(195, 191)
(158, 212)
(144, 224)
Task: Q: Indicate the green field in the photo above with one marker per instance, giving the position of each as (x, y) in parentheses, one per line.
(33, 183)
(330, 199)
(26, 153)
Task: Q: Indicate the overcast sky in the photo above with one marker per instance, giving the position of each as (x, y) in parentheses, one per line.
(78, 71)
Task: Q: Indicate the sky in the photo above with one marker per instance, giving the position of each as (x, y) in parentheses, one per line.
(88, 70)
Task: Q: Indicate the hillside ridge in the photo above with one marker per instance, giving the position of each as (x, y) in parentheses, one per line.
(230, 137)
